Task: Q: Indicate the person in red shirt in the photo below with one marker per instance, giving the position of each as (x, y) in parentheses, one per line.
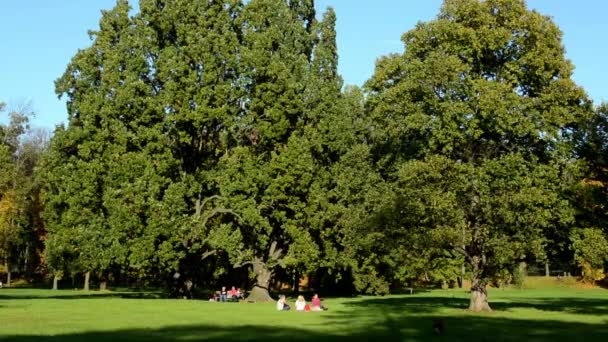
(316, 304)
(233, 294)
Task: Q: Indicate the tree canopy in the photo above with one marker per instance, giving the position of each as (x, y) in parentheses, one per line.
(477, 115)
(215, 141)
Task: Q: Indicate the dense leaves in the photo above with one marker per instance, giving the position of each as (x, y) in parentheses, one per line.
(21, 228)
(214, 141)
(477, 113)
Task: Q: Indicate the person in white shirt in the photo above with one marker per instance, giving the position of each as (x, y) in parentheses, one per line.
(300, 303)
(282, 304)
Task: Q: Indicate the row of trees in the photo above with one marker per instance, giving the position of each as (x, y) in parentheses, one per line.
(21, 226)
(211, 139)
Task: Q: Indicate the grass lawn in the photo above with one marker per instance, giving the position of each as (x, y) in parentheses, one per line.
(559, 314)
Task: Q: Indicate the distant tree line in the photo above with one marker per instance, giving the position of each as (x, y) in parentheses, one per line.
(214, 141)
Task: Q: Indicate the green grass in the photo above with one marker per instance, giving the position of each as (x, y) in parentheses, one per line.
(560, 314)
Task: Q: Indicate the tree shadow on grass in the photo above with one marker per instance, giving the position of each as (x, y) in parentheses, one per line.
(408, 304)
(413, 329)
(413, 319)
(414, 304)
(28, 293)
(406, 318)
(585, 306)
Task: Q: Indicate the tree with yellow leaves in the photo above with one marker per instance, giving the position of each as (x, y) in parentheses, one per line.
(10, 229)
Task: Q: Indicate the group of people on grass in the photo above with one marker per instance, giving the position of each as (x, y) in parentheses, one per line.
(301, 304)
(233, 295)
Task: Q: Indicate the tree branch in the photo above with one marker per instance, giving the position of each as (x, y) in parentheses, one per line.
(200, 205)
(274, 253)
(216, 211)
(208, 254)
(463, 252)
(245, 263)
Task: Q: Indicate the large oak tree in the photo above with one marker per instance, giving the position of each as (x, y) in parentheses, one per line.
(475, 119)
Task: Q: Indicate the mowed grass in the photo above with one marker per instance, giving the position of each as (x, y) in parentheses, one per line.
(559, 314)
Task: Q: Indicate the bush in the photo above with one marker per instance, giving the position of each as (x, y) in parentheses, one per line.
(590, 253)
(591, 274)
(519, 275)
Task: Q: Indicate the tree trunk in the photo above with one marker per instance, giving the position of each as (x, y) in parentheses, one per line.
(259, 293)
(523, 268)
(547, 274)
(479, 293)
(103, 286)
(87, 277)
(463, 274)
(8, 272)
(463, 269)
(296, 283)
(479, 299)
(55, 281)
(26, 259)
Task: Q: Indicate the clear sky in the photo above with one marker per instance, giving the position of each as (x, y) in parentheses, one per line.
(39, 37)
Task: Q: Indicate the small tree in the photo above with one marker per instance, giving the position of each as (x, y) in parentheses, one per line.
(10, 228)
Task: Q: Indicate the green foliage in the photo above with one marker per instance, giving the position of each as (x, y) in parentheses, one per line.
(21, 229)
(10, 227)
(590, 252)
(205, 136)
(474, 120)
(519, 275)
(193, 133)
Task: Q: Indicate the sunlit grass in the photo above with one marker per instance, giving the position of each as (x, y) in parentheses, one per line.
(550, 314)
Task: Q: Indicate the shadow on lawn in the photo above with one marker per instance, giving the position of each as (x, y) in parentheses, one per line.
(585, 306)
(468, 329)
(67, 294)
(407, 318)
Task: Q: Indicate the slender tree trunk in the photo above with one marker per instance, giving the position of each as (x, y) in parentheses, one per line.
(55, 281)
(463, 269)
(26, 260)
(479, 293)
(296, 283)
(103, 286)
(463, 274)
(259, 293)
(8, 272)
(87, 277)
(547, 273)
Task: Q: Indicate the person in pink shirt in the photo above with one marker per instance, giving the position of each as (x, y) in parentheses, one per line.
(316, 304)
(233, 294)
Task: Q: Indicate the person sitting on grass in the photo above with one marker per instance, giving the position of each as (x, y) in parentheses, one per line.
(215, 297)
(282, 304)
(233, 295)
(316, 304)
(300, 303)
(223, 294)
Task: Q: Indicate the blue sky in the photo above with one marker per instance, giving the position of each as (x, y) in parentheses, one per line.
(39, 37)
